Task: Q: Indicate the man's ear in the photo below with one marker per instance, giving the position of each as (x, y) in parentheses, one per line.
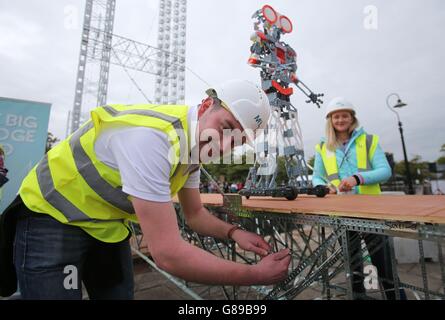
(205, 105)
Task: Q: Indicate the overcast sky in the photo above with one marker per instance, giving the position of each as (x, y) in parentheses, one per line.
(337, 55)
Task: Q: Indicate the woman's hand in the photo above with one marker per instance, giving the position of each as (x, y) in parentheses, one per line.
(347, 184)
(332, 189)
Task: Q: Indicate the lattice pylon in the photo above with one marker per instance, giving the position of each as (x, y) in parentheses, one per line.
(170, 75)
(99, 44)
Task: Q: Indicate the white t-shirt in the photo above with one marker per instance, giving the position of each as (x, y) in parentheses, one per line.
(141, 156)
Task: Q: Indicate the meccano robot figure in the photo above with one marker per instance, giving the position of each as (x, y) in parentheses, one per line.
(277, 61)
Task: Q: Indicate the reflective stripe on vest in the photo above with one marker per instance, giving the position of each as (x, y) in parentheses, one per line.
(57, 200)
(365, 148)
(330, 163)
(92, 177)
(74, 187)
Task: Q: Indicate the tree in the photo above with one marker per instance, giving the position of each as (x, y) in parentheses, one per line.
(311, 163)
(238, 172)
(441, 160)
(233, 172)
(417, 167)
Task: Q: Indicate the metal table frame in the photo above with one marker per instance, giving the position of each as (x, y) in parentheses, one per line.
(321, 256)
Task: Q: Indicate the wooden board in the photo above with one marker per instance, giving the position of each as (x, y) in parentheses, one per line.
(430, 209)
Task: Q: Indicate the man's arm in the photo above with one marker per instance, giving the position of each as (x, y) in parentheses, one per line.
(199, 218)
(176, 256)
(203, 222)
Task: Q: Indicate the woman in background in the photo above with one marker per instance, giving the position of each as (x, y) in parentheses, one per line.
(349, 160)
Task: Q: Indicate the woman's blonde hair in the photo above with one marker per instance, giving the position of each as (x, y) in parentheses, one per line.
(332, 142)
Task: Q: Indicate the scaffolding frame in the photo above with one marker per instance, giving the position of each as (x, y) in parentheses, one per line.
(100, 46)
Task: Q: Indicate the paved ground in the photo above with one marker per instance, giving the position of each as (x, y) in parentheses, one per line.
(151, 285)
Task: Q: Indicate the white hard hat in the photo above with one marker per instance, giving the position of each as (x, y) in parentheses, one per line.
(247, 102)
(337, 104)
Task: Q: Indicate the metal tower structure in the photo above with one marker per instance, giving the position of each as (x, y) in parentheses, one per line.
(277, 62)
(99, 48)
(98, 15)
(170, 68)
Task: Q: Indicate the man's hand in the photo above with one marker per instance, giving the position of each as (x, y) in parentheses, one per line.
(347, 184)
(251, 242)
(273, 268)
(184, 260)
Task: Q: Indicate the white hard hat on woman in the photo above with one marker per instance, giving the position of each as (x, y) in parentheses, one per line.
(339, 104)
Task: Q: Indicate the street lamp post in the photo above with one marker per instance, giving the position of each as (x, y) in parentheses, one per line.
(400, 104)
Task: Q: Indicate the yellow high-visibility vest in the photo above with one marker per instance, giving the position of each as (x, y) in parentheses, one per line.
(365, 146)
(76, 188)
